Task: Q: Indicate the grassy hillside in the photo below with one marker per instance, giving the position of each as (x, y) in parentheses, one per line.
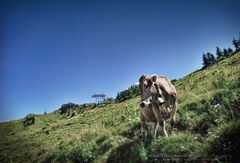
(207, 127)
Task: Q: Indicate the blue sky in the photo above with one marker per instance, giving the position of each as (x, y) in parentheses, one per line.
(54, 52)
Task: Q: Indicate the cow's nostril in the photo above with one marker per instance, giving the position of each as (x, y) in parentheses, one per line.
(142, 104)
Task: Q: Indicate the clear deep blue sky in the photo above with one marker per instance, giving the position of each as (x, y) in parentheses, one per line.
(54, 52)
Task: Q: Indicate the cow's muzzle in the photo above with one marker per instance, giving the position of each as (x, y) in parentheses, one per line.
(142, 104)
(145, 103)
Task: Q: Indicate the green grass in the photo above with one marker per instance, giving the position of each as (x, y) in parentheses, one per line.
(223, 144)
(175, 148)
(111, 132)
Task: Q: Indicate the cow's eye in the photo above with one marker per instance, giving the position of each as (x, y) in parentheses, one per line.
(145, 84)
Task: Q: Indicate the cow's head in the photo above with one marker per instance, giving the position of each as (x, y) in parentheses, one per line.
(150, 90)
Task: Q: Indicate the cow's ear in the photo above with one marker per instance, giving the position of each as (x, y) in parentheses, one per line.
(143, 78)
(154, 78)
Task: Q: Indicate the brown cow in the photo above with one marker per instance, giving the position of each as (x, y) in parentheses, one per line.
(158, 102)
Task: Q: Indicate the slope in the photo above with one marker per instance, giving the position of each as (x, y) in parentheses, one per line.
(110, 132)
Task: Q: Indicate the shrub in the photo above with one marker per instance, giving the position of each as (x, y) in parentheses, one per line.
(68, 108)
(138, 153)
(203, 124)
(108, 100)
(71, 109)
(174, 148)
(130, 129)
(121, 116)
(208, 59)
(191, 106)
(225, 101)
(90, 105)
(82, 153)
(127, 94)
(173, 81)
(222, 83)
(29, 120)
(74, 152)
(185, 118)
(104, 146)
(223, 144)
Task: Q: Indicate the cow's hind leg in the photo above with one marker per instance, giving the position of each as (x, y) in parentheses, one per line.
(172, 123)
(162, 124)
(173, 117)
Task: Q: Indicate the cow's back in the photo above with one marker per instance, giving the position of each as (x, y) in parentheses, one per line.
(166, 84)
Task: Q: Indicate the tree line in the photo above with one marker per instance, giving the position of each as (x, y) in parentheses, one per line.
(127, 94)
(209, 58)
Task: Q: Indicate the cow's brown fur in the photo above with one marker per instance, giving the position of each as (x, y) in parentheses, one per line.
(147, 114)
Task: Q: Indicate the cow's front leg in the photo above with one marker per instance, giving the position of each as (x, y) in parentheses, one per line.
(154, 130)
(143, 127)
(157, 113)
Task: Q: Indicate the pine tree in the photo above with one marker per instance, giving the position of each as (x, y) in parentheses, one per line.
(211, 58)
(219, 53)
(208, 59)
(118, 96)
(230, 51)
(225, 52)
(204, 58)
(236, 44)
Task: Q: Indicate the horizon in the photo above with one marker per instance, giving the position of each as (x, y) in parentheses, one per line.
(55, 53)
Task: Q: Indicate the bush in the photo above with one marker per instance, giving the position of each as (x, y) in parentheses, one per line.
(208, 59)
(190, 115)
(74, 152)
(223, 145)
(204, 115)
(200, 116)
(130, 129)
(108, 100)
(226, 102)
(138, 153)
(104, 146)
(90, 105)
(127, 94)
(82, 153)
(222, 83)
(29, 120)
(175, 148)
(173, 81)
(71, 109)
(203, 124)
(122, 116)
